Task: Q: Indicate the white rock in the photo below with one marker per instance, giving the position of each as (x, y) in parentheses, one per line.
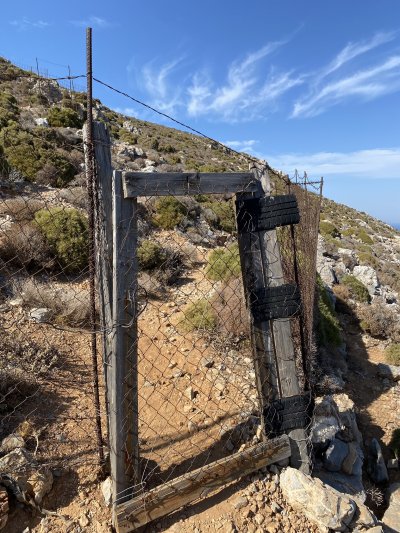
(391, 518)
(106, 490)
(40, 314)
(368, 277)
(42, 122)
(11, 442)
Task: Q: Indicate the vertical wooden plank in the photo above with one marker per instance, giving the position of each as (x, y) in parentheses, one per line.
(104, 238)
(124, 449)
(288, 383)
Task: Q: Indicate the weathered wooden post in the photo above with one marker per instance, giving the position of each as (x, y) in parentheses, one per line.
(271, 305)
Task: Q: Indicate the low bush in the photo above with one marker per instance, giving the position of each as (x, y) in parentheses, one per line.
(358, 291)
(327, 324)
(392, 354)
(380, 321)
(151, 255)
(23, 245)
(64, 117)
(68, 306)
(66, 231)
(223, 263)
(127, 137)
(20, 209)
(326, 228)
(199, 315)
(358, 233)
(169, 212)
(9, 110)
(223, 215)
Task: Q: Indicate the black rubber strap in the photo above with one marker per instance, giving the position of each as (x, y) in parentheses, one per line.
(267, 213)
(285, 414)
(270, 303)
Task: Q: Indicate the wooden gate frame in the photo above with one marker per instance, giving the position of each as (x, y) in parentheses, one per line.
(273, 351)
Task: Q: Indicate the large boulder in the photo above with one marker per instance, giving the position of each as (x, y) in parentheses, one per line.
(391, 518)
(376, 463)
(389, 372)
(368, 277)
(323, 505)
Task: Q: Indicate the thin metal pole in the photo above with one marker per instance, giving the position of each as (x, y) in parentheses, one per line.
(90, 167)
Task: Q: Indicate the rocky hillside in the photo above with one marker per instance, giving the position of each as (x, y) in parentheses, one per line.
(356, 428)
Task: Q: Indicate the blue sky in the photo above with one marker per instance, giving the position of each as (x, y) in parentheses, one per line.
(310, 85)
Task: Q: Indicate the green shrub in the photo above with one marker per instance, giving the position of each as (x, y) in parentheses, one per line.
(155, 143)
(151, 255)
(379, 321)
(64, 117)
(328, 327)
(169, 212)
(357, 290)
(174, 160)
(9, 110)
(30, 154)
(392, 354)
(225, 215)
(199, 315)
(367, 258)
(358, 233)
(127, 136)
(66, 231)
(224, 263)
(326, 228)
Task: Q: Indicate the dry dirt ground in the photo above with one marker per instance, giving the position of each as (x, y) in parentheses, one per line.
(196, 398)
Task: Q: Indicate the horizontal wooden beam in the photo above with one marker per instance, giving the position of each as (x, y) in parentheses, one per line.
(174, 494)
(185, 183)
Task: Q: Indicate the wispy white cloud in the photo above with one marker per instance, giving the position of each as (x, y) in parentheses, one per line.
(245, 93)
(92, 21)
(372, 164)
(331, 86)
(242, 146)
(25, 24)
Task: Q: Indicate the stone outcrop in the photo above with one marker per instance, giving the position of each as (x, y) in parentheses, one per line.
(391, 518)
(329, 509)
(368, 277)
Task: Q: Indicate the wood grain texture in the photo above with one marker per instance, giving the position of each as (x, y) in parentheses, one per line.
(124, 447)
(185, 183)
(195, 485)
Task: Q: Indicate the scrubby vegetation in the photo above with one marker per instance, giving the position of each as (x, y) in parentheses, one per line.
(199, 315)
(220, 215)
(327, 229)
(169, 212)
(380, 321)
(66, 232)
(64, 117)
(392, 354)
(224, 263)
(328, 327)
(358, 291)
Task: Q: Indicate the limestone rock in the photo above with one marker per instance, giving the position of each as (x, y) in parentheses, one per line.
(376, 464)
(43, 122)
(106, 490)
(335, 455)
(323, 505)
(11, 442)
(389, 371)
(391, 518)
(368, 277)
(40, 314)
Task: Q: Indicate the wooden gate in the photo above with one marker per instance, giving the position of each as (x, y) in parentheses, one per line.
(271, 304)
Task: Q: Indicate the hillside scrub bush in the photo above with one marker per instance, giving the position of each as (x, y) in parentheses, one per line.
(326, 228)
(392, 354)
(127, 137)
(64, 117)
(358, 233)
(224, 215)
(358, 290)
(20, 209)
(151, 255)
(199, 315)
(224, 263)
(169, 212)
(29, 154)
(380, 321)
(25, 246)
(327, 324)
(9, 110)
(66, 231)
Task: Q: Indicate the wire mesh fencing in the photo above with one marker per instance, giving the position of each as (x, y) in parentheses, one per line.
(197, 395)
